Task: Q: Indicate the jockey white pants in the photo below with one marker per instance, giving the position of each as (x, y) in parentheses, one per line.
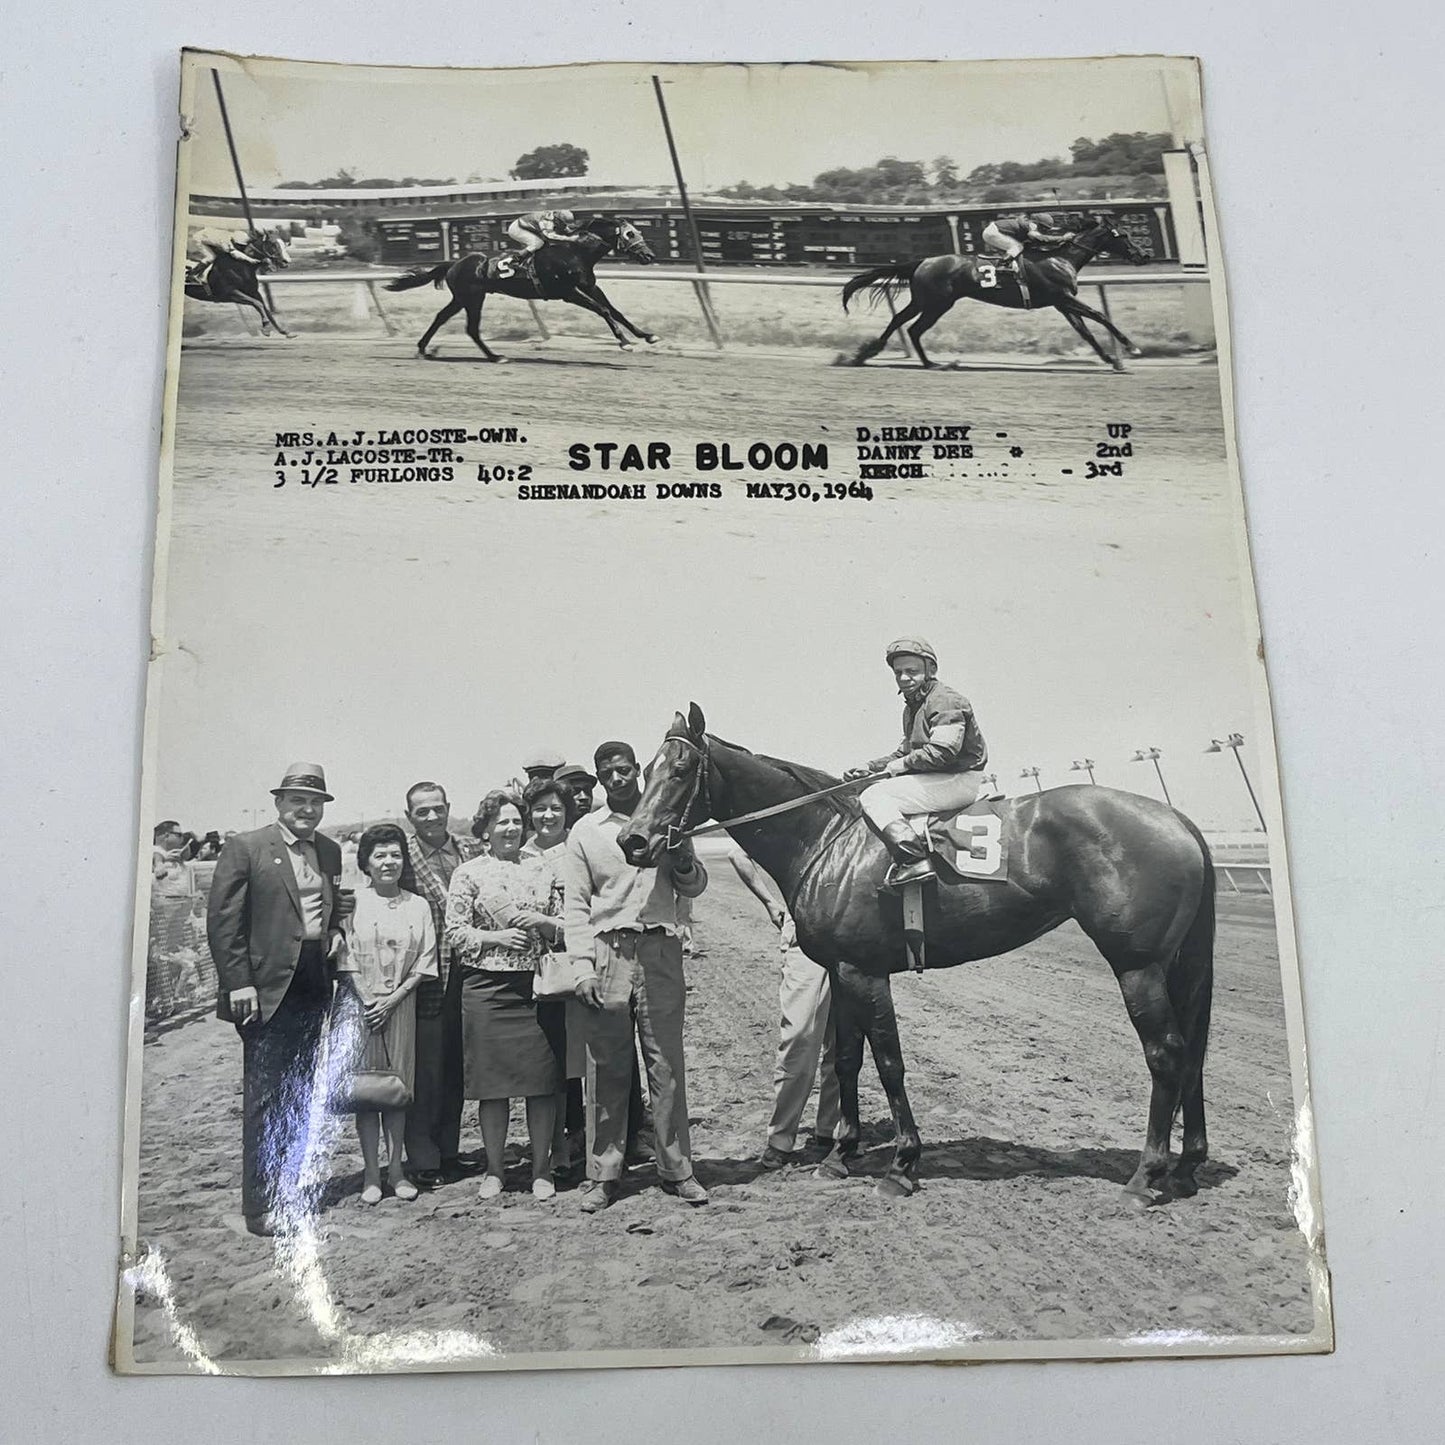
(805, 1040)
(995, 240)
(202, 245)
(527, 240)
(913, 794)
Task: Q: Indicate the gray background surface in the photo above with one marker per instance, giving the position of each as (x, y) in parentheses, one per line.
(1322, 129)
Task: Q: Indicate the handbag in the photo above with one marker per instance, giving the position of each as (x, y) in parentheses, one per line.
(558, 975)
(357, 1090)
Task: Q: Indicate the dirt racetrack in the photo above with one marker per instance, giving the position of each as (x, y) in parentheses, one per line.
(237, 393)
(1029, 1089)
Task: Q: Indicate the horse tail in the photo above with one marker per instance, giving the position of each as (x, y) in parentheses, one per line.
(884, 281)
(1191, 973)
(419, 276)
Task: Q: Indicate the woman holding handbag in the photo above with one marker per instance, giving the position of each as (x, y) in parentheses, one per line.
(551, 809)
(391, 946)
(502, 912)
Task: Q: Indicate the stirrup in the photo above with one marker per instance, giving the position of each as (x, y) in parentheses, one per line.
(899, 875)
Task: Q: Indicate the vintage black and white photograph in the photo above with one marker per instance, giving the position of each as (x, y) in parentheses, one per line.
(709, 790)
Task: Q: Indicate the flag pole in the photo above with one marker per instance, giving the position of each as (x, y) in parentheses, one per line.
(704, 299)
(231, 146)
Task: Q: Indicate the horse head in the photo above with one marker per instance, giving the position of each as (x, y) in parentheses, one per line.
(1103, 235)
(272, 248)
(622, 237)
(677, 795)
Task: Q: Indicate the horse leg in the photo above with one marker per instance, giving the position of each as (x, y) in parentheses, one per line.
(872, 348)
(926, 322)
(1146, 995)
(1077, 323)
(241, 298)
(474, 328)
(270, 315)
(902, 1176)
(579, 297)
(848, 1020)
(1194, 1145)
(1108, 325)
(440, 320)
(600, 296)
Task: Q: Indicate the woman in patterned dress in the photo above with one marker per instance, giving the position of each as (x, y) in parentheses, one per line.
(391, 947)
(502, 911)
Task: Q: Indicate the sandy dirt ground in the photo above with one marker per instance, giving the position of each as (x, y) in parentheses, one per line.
(1030, 1092)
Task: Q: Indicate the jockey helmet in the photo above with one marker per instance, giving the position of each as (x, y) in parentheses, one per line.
(1045, 219)
(914, 646)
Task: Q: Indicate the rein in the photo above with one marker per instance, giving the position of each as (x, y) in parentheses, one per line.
(678, 831)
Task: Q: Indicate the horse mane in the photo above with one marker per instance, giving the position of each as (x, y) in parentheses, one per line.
(811, 780)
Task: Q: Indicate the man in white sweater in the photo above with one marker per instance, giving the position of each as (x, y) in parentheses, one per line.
(623, 921)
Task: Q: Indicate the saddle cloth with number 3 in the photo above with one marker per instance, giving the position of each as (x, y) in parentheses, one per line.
(973, 844)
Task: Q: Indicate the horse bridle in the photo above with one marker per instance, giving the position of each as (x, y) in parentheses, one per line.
(676, 832)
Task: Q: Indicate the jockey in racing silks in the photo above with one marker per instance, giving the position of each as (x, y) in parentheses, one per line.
(938, 768)
(211, 241)
(1010, 234)
(532, 231)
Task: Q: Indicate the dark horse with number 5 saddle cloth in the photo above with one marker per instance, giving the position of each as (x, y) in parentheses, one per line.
(1043, 279)
(560, 271)
(1134, 874)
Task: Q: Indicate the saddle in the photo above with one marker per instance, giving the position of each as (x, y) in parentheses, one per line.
(512, 266)
(1008, 285)
(968, 846)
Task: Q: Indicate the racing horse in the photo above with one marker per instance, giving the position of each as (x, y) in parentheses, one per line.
(1135, 874)
(563, 271)
(1050, 278)
(224, 278)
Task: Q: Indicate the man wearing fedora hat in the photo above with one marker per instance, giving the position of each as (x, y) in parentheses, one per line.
(274, 926)
(543, 764)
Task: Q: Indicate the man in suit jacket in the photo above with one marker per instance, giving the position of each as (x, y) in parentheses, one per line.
(274, 926)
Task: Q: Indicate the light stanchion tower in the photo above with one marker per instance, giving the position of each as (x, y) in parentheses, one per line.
(991, 779)
(1152, 755)
(1233, 743)
(1034, 774)
(1083, 765)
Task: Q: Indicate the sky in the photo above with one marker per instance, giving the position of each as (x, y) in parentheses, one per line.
(768, 124)
(1081, 634)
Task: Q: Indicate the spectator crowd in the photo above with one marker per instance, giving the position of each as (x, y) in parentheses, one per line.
(417, 966)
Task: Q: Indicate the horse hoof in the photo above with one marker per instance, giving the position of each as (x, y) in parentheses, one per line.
(831, 1169)
(624, 346)
(1183, 1184)
(1136, 351)
(427, 355)
(894, 1186)
(649, 338)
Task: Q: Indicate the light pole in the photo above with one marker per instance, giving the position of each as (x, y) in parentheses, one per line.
(1084, 765)
(1234, 742)
(992, 780)
(1152, 755)
(1034, 774)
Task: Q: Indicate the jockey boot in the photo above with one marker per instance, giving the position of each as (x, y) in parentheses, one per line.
(911, 859)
